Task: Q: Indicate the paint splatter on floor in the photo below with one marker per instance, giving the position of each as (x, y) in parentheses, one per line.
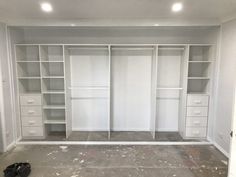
(119, 161)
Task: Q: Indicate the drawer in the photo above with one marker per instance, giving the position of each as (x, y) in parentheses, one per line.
(32, 131)
(196, 121)
(31, 121)
(196, 132)
(197, 100)
(30, 100)
(197, 111)
(31, 111)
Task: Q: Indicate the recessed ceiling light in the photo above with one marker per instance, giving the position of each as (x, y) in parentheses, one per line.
(72, 24)
(156, 24)
(46, 7)
(176, 7)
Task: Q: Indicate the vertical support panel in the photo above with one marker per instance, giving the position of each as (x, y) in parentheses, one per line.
(109, 93)
(67, 92)
(183, 94)
(153, 92)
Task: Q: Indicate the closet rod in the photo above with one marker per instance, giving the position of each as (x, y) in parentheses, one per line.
(89, 88)
(170, 48)
(137, 48)
(88, 48)
(87, 98)
(166, 88)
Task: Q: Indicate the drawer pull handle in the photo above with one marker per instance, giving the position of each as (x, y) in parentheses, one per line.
(197, 101)
(30, 101)
(31, 122)
(196, 122)
(31, 112)
(196, 132)
(32, 132)
(197, 112)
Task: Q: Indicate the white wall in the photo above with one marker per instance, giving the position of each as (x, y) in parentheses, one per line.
(5, 91)
(226, 85)
(16, 36)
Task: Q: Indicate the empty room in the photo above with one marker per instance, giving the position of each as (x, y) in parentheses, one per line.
(129, 88)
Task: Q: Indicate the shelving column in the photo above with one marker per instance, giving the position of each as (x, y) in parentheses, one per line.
(200, 62)
(53, 88)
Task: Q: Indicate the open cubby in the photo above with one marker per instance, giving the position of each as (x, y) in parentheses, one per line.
(51, 52)
(54, 99)
(52, 69)
(200, 53)
(198, 86)
(53, 85)
(57, 130)
(29, 85)
(54, 116)
(28, 69)
(199, 70)
(27, 53)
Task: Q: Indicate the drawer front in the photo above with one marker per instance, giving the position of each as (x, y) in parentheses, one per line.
(197, 111)
(31, 111)
(196, 121)
(196, 100)
(32, 131)
(30, 100)
(31, 121)
(196, 132)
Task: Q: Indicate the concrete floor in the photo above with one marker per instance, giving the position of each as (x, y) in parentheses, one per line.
(119, 161)
(117, 136)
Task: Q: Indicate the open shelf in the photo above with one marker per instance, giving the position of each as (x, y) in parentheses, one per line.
(51, 52)
(54, 116)
(54, 100)
(199, 69)
(201, 53)
(28, 69)
(53, 85)
(52, 69)
(29, 85)
(198, 86)
(55, 129)
(27, 53)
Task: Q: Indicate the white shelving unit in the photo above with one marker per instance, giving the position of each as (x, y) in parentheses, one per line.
(200, 64)
(106, 87)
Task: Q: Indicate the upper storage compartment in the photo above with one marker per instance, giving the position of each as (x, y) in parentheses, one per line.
(51, 52)
(27, 53)
(202, 53)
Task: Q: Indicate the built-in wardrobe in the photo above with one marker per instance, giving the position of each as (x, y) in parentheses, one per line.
(107, 88)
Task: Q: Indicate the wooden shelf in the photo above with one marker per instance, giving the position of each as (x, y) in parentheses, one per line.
(54, 107)
(59, 121)
(200, 61)
(169, 88)
(29, 77)
(199, 78)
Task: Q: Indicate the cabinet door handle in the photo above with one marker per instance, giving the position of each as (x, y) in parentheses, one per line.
(30, 101)
(196, 122)
(31, 112)
(32, 132)
(197, 101)
(197, 112)
(196, 132)
(31, 122)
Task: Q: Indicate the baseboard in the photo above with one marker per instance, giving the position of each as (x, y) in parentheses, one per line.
(219, 147)
(10, 146)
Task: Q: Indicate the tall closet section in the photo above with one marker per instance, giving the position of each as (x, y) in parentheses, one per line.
(170, 90)
(88, 87)
(131, 73)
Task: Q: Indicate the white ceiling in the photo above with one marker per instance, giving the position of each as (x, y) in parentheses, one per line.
(117, 12)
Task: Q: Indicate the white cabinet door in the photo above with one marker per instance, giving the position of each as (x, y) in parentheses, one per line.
(232, 164)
